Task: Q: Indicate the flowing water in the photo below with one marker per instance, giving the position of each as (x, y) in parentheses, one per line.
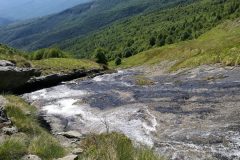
(188, 115)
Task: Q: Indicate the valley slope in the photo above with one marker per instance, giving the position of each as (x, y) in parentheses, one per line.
(77, 22)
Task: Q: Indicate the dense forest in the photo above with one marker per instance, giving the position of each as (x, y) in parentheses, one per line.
(154, 29)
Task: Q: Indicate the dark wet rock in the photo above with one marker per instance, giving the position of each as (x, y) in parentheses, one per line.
(41, 82)
(14, 77)
(30, 157)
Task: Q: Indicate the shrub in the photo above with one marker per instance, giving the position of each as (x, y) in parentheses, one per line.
(118, 61)
(47, 53)
(152, 41)
(100, 56)
(128, 52)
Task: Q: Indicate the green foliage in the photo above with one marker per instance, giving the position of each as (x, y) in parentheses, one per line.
(48, 53)
(76, 22)
(13, 55)
(113, 146)
(118, 61)
(12, 148)
(46, 147)
(152, 41)
(128, 52)
(100, 56)
(38, 141)
(210, 48)
(156, 28)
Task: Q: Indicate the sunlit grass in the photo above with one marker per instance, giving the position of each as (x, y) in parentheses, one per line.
(114, 146)
(36, 140)
(220, 45)
(63, 65)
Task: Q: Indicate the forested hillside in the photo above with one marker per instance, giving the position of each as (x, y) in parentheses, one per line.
(154, 29)
(77, 22)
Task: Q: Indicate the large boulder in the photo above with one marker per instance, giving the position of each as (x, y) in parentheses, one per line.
(12, 77)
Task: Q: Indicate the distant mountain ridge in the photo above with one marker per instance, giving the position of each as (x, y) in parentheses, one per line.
(77, 22)
(26, 9)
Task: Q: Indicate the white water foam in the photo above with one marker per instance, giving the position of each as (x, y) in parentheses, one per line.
(122, 119)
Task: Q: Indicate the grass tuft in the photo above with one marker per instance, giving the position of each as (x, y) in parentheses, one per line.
(113, 146)
(40, 142)
(46, 147)
(12, 149)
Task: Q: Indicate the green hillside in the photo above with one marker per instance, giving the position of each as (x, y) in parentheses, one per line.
(220, 45)
(157, 28)
(76, 22)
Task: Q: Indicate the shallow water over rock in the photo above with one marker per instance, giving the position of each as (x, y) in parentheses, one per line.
(193, 114)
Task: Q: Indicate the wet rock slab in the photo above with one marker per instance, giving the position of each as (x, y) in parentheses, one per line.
(191, 114)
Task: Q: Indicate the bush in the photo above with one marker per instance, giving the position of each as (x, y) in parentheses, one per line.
(47, 53)
(152, 41)
(118, 61)
(128, 52)
(100, 56)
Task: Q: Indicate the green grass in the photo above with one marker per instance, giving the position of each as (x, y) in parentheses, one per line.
(33, 138)
(63, 65)
(12, 148)
(114, 146)
(220, 45)
(46, 147)
(13, 55)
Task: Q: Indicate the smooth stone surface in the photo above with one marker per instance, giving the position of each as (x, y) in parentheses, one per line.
(30, 157)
